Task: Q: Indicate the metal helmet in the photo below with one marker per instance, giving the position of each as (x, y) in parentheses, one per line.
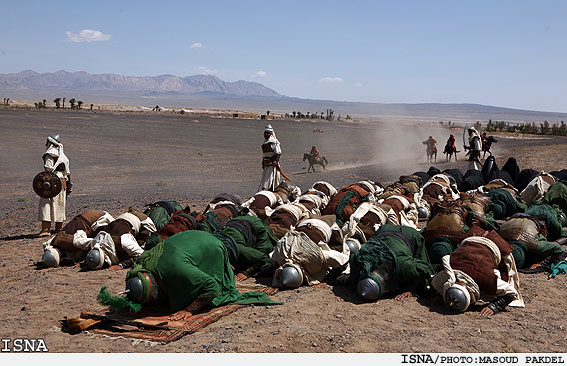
(369, 289)
(135, 290)
(56, 138)
(422, 213)
(290, 277)
(353, 245)
(457, 298)
(51, 257)
(95, 258)
(142, 288)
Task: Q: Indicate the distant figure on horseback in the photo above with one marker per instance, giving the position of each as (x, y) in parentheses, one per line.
(314, 158)
(450, 148)
(487, 143)
(431, 149)
(474, 147)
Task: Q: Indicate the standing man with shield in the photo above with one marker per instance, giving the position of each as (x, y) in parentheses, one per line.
(53, 193)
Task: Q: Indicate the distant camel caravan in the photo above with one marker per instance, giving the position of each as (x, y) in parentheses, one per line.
(321, 160)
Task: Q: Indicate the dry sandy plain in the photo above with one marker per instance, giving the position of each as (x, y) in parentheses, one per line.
(118, 159)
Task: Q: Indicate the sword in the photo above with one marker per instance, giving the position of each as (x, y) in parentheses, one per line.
(464, 130)
(282, 173)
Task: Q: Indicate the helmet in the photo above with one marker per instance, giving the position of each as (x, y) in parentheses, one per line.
(353, 245)
(422, 212)
(135, 290)
(291, 277)
(95, 258)
(457, 298)
(142, 288)
(369, 289)
(54, 139)
(51, 257)
(269, 128)
(563, 220)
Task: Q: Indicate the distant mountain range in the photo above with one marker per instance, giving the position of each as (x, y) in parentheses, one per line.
(132, 85)
(207, 91)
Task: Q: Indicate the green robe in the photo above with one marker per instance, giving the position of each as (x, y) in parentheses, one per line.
(556, 196)
(550, 217)
(193, 265)
(252, 258)
(503, 204)
(410, 271)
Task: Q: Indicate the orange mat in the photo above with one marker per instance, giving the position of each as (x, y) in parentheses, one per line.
(152, 326)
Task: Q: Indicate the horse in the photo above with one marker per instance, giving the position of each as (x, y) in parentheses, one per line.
(450, 149)
(486, 146)
(431, 153)
(315, 160)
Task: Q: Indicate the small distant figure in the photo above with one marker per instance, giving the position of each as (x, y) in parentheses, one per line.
(474, 147)
(315, 158)
(431, 149)
(487, 143)
(314, 152)
(450, 148)
(156, 108)
(271, 153)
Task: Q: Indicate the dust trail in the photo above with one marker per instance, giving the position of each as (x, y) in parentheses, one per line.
(342, 165)
(396, 145)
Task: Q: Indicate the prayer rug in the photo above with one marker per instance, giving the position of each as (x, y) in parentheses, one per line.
(153, 326)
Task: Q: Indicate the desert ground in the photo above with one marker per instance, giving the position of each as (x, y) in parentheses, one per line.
(120, 159)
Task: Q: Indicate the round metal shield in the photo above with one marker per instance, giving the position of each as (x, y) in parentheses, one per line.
(47, 184)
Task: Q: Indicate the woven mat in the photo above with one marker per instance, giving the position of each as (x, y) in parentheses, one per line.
(153, 327)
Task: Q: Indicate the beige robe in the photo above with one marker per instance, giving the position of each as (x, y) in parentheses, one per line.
(57, 203)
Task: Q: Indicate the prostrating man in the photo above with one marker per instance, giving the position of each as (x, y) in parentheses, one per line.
(63, 249)
(480, 271)
(394, 259)
(188, 272)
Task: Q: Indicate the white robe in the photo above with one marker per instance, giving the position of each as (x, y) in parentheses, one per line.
(56, 204)
(271, 177)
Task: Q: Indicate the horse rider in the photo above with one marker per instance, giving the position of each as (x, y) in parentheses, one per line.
(474, 147)
(450, 147)
(431, 144)
(271, 153)
(451, 142)
(314, 152)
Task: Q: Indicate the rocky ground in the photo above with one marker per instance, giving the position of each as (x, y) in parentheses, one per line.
(123, 159)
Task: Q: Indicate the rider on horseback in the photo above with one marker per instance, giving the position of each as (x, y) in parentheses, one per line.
(315, 152)
(431, 148)
(450, 148)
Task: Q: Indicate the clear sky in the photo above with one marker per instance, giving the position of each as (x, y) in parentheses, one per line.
(503, 53)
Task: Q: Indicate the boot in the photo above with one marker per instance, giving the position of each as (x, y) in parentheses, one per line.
(45, 227)
(58, 226)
